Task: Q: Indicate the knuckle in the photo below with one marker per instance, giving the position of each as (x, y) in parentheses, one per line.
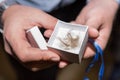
(23, 56)
(45, 56)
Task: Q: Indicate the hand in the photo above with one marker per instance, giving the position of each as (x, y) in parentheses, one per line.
(17, 19)
(99, 16)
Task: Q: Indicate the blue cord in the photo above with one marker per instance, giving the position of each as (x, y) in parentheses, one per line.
(99, 52)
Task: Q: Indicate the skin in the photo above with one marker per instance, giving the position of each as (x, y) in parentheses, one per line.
(16, 22)
(97, 14)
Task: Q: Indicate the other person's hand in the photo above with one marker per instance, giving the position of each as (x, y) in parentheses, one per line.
(99, 16)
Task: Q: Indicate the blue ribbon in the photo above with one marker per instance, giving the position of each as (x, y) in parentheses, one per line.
(99, 52)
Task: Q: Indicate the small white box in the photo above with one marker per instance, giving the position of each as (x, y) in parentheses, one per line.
(36, 38)
(70, 40)
(67, 38)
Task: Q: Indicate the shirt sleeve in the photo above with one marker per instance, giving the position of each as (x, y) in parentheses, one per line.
(118, 1)
(4, 5)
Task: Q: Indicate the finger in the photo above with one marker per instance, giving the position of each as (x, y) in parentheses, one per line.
(25, 52)
(90, 51)
(35, 54)
(102, 40)
(62, 64)
(47, 20)
(93, 33)
(104, 34)
(93, 24)
(48, 33)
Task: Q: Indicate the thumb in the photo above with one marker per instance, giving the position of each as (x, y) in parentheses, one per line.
(93, 25)
(48, 33)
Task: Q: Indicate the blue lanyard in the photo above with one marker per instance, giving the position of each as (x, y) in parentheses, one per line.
(99, 52)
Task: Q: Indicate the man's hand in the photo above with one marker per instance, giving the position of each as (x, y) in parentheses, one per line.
(99, 16)
(17, 19)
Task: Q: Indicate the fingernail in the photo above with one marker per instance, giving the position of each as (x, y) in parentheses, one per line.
(55, 59)
(62, 65)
